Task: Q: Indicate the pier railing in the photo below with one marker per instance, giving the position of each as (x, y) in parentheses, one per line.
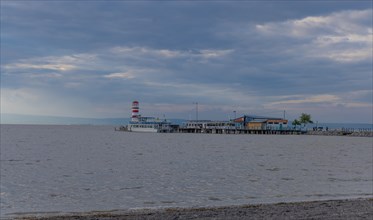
(234, 130)
(361, 132)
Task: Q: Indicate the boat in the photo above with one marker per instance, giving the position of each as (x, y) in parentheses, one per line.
(150, 124)
(139, 123)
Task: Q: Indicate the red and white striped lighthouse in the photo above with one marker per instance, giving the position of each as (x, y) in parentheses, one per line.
(135, 111)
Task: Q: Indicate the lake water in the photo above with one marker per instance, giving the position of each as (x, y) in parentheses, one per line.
(50, 168)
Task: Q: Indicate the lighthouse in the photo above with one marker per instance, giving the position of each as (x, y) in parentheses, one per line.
(135, 111)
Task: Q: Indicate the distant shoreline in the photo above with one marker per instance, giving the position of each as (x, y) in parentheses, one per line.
(330, 209)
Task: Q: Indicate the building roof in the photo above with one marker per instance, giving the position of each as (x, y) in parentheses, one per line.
(207, 121)
(258, 120)
(261, 117)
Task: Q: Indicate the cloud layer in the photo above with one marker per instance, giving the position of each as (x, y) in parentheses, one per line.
(341, 36)
(81, 59)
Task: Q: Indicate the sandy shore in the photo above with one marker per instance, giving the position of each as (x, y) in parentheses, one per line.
(332, 209)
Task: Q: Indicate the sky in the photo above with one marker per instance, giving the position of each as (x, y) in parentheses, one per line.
(93, 58)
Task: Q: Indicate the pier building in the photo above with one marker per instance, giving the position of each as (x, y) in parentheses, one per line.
(261, 123)
(241, 125)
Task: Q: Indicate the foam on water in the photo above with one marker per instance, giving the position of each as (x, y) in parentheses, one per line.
(91, 168)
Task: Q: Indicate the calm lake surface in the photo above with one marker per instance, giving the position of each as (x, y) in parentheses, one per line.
(85, 168)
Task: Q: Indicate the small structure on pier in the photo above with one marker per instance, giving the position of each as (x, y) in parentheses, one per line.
(256, 124)
(261, 123)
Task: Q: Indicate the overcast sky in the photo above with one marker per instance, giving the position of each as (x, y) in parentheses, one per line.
(93, 58)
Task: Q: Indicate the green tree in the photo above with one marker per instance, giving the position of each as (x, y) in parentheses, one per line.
(305, 119)
(295, 123)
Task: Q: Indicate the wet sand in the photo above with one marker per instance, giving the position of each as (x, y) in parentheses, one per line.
(331, 209)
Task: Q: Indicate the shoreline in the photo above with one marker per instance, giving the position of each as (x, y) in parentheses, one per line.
(361, 208)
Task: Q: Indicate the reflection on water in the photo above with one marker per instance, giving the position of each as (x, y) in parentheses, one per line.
(85, 168)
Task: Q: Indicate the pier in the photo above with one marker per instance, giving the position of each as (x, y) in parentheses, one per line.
(246, 124)
(238, 126)
(236, 131)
